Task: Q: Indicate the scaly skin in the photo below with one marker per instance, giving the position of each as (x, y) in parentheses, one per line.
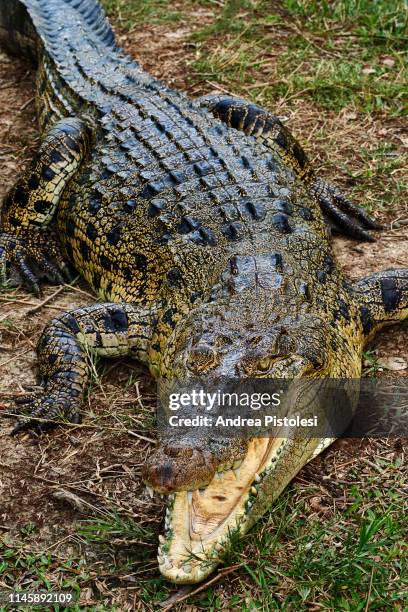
(201, 224)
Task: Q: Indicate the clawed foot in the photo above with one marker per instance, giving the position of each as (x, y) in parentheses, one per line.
(342, 214)
(35, 250)
(41, 411)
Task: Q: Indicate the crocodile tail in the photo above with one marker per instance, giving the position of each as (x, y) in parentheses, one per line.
(24, 23)
(93, 15)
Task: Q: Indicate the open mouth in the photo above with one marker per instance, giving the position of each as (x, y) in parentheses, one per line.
(200, 524)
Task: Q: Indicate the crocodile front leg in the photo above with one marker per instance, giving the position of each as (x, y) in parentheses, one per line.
(31, 204)
(253, 120)
(383, 298)
(110, 330)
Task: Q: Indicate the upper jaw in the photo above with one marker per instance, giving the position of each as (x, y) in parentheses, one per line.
(190, 464)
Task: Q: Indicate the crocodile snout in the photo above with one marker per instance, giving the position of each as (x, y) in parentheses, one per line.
(174, 467)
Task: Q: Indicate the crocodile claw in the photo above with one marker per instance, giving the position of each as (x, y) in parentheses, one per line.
(32, 256)
(343, 215)
(40, 412)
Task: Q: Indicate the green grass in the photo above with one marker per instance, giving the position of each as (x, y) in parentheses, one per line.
(349, 52)
(22, 569)
(355, 557)
(371, 364)
(335, 561)
(130, 13)
(373, 18)
(350, 55)
(105, 529)
(5, 285)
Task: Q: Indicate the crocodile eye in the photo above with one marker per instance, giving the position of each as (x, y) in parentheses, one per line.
(264, 364)
(223, 340)
(202, 359)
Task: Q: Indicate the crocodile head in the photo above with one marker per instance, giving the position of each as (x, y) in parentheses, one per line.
(209, 349)
(218, 491)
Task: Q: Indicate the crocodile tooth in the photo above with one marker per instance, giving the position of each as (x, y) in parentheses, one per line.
(150, 491)
(254, 491)
(237, 473)
(160, 559)
(162, 539)
(168, 512)
(237, 464)
(257, 477)
(166, 523)
(171, 497)
(190, 496)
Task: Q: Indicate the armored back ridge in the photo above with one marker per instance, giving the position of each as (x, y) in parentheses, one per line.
(205, 231)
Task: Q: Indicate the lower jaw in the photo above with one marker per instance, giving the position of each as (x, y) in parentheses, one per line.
(201, 523)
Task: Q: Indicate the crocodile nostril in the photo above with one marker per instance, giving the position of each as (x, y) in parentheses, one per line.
(178, 468)
(178, 451)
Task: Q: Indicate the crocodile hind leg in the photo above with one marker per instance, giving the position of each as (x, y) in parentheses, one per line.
(383, 299)
(109, 330)
(31, 204)
(253, 120)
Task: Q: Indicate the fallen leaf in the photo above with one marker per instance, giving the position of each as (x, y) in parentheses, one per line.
(316, 504)
(394, 364)
(388, 61)
(70, 498)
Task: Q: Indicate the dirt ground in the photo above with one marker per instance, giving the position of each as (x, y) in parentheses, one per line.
(100, 461)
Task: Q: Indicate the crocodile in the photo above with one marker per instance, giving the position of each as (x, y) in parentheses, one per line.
(206, 234)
